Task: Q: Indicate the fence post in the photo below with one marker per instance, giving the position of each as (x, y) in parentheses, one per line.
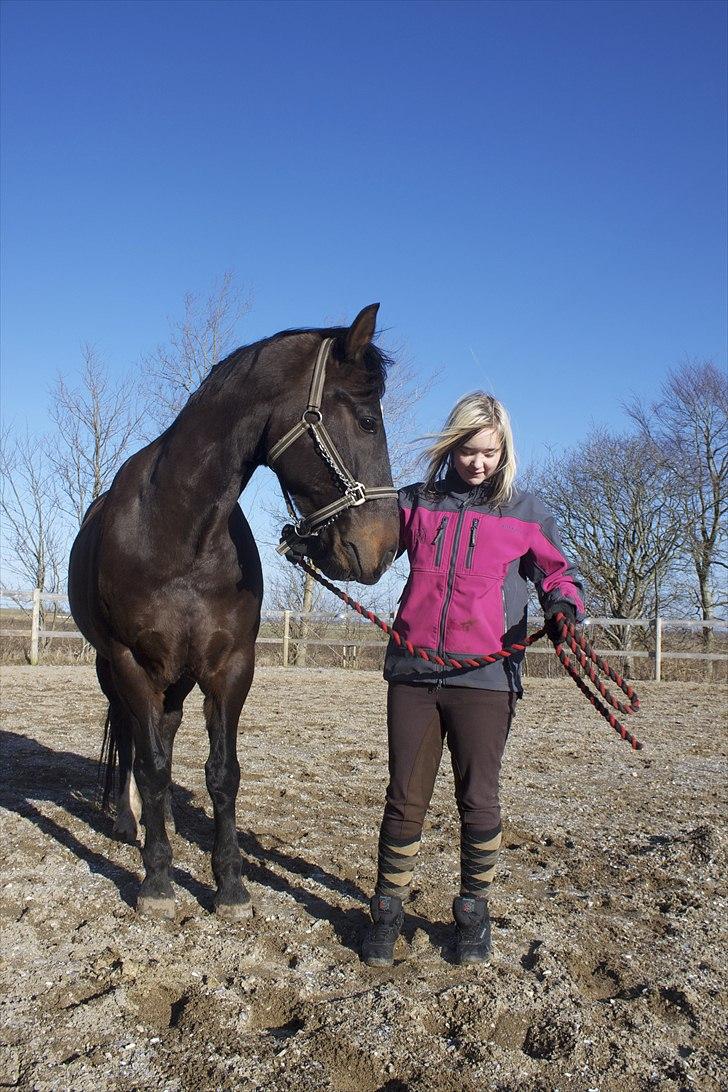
(658, 648)
(35, 627)
(286, 635)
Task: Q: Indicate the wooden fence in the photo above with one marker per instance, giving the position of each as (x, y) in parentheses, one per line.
(350, 642)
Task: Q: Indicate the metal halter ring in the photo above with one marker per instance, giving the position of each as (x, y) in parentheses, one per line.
(356, 494)
(312, 416)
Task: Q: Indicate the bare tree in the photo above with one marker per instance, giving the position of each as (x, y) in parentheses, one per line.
(33, 535)
(406, 389)
(96, 424)
(686, 433)
(618, 518)
(294, 590)
(205, 334)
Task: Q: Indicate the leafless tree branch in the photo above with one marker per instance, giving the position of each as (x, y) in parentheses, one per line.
(96, 423)
(686, 431)
(205, 335)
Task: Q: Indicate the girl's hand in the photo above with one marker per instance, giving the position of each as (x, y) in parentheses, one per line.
(553, 628)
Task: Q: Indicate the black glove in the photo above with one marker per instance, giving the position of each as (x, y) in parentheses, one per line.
(553, 628)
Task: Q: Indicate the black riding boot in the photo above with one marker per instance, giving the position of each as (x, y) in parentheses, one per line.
(472, 930)
(387, 917)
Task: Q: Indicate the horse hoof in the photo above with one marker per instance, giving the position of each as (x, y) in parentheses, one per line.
(234, 911)
(150, 907)
(126, 832)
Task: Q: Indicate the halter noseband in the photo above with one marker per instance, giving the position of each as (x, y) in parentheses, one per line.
(312, 422)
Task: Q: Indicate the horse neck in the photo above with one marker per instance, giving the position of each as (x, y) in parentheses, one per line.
(207, 456)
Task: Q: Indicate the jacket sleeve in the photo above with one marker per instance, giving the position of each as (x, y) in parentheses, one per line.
(546, 564)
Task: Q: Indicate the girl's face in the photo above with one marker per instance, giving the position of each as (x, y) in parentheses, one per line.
(478, 458)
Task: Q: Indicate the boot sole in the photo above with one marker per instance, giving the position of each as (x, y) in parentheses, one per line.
(465, 960)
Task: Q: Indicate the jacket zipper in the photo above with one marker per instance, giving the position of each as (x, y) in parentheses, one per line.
(505, 614)
(450, 579)
(439, 540)
(471, 544)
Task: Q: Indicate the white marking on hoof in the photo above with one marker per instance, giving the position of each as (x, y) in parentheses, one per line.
(234, 911)
(126, 828)
(156, 908)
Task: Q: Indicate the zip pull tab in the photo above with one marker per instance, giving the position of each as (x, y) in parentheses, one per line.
(471, 544)
(440, 528)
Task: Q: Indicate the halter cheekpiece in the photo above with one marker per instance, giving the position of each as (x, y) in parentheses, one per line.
(354, 493)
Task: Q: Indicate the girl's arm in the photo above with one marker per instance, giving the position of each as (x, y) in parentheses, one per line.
(556, 579)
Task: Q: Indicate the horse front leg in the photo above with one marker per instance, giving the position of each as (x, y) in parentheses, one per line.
(152, 772)
(225, 694)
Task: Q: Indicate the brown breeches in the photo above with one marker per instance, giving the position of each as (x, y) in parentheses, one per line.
(474, 724)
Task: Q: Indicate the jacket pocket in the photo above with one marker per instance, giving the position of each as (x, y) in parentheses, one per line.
(471, 543)
(419, 611)
(475, 621)
(439, 541)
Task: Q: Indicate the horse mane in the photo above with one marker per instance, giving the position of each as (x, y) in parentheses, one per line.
(372, 370)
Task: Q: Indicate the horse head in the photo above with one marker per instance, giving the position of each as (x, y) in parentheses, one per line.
(326, 440)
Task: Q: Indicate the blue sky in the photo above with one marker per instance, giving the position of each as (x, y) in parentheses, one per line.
(534, 191)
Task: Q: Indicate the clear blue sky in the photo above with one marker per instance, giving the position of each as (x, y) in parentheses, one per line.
(534, 191)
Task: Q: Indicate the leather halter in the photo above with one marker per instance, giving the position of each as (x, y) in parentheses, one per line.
(354, 492)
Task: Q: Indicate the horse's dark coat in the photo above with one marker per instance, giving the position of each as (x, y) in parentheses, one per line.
(165, 578)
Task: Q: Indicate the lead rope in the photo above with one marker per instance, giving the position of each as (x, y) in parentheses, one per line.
(588, 660)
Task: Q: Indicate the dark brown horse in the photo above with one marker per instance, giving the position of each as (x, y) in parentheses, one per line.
(165, 579)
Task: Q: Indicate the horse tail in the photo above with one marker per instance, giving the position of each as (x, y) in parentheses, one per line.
(108, 763)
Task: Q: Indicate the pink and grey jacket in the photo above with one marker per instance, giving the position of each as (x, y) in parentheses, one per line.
(467, 591)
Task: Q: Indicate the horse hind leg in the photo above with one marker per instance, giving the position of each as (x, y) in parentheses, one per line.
(174, 697)
(144, 705)
(128, 800)
(119, 761)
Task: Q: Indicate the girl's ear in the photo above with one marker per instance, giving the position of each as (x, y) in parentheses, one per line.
(361, 331)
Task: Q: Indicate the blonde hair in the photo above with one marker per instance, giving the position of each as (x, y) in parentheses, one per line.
(469, 415)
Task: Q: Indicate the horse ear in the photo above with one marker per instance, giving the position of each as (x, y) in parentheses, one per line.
(361, 331)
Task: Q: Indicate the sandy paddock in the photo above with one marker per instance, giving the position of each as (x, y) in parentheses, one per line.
(609, 909)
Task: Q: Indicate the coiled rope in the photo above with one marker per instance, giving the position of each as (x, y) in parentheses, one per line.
(587, 659)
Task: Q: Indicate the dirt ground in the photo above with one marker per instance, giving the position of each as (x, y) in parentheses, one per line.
(609, 908)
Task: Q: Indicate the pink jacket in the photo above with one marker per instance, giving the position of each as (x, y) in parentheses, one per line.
(467, 590)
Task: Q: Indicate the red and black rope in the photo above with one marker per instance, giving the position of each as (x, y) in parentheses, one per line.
(587, 659)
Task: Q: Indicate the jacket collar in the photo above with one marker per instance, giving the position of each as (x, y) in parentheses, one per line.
(453, 484)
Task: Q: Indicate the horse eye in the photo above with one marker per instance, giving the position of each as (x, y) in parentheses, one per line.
(369, 424)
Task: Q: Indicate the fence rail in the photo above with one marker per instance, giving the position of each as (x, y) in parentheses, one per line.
(349, 643)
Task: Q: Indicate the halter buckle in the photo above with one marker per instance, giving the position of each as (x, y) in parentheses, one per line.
(356, 494)
(302, 529)
(292, 544)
